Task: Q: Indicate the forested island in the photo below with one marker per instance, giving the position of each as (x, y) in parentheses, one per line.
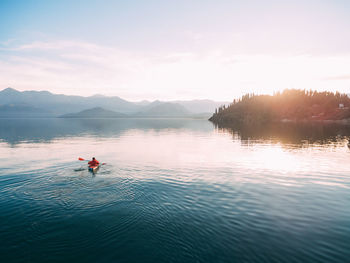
(291, 105)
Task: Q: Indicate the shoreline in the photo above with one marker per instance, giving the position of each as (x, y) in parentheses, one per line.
(344, 122)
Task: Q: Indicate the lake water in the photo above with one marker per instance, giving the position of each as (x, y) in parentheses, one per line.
(173, 191)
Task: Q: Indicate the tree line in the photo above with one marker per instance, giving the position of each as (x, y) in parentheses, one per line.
(288, 105)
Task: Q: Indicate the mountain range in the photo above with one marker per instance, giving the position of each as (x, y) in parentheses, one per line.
(14, 103)
(96, 112)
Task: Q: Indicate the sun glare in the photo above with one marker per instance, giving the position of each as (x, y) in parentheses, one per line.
(273, 157)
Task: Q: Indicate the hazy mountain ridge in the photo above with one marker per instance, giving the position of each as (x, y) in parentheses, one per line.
(170, 110)
(62, 104)
(96, 112)
(166, 109)
(58, 104)
(201, 106)
(23, 110)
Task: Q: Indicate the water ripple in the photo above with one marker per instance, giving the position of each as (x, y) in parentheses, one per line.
(192, 197)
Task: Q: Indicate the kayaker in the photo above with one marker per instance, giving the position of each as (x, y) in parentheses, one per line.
(93, 162)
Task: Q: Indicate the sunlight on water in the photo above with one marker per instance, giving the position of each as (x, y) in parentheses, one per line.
(172, 190)
(275, 158)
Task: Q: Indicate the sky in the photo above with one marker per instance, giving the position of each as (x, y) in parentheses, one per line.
(172, 50)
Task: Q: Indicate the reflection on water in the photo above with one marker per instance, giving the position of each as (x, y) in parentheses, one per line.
(14, 131)
(173, 191)
(302, 134)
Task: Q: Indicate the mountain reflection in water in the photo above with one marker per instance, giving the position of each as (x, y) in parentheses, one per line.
(14, 131)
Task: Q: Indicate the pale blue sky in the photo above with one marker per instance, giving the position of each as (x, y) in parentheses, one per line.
(174, 49)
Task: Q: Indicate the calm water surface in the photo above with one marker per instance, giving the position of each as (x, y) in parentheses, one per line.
(173, 191)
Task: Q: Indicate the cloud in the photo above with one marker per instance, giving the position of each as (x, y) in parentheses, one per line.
(66, 67)
(57, 45)
(83, 68)
(340, 77)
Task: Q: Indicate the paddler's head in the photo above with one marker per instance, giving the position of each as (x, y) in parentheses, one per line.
(93, 158)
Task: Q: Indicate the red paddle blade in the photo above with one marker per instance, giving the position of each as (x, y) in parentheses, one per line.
(81, 159)
(103, 163)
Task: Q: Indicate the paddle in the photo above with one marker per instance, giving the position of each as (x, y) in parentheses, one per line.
(82, 159)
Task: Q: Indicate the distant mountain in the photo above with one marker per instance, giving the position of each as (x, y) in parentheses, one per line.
(157, 110)
(22, 111)
(61, 104)
(163, 109)
(150, 105)
(142, 103)
(97, 112)
(193, 106)
(201, 106)
(58, 104)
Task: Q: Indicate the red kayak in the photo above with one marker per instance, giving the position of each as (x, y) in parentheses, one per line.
(92, 165)
(94, 168)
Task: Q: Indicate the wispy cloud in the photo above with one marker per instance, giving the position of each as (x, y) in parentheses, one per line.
(340, 77)
(57, 45)
(77, 67)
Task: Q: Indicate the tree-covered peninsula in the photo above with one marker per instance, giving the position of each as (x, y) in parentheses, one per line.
(289, 105)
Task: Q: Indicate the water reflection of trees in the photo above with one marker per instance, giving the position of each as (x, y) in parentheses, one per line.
(298, 134)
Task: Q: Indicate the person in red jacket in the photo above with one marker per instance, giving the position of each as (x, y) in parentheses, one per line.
(94, 162)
